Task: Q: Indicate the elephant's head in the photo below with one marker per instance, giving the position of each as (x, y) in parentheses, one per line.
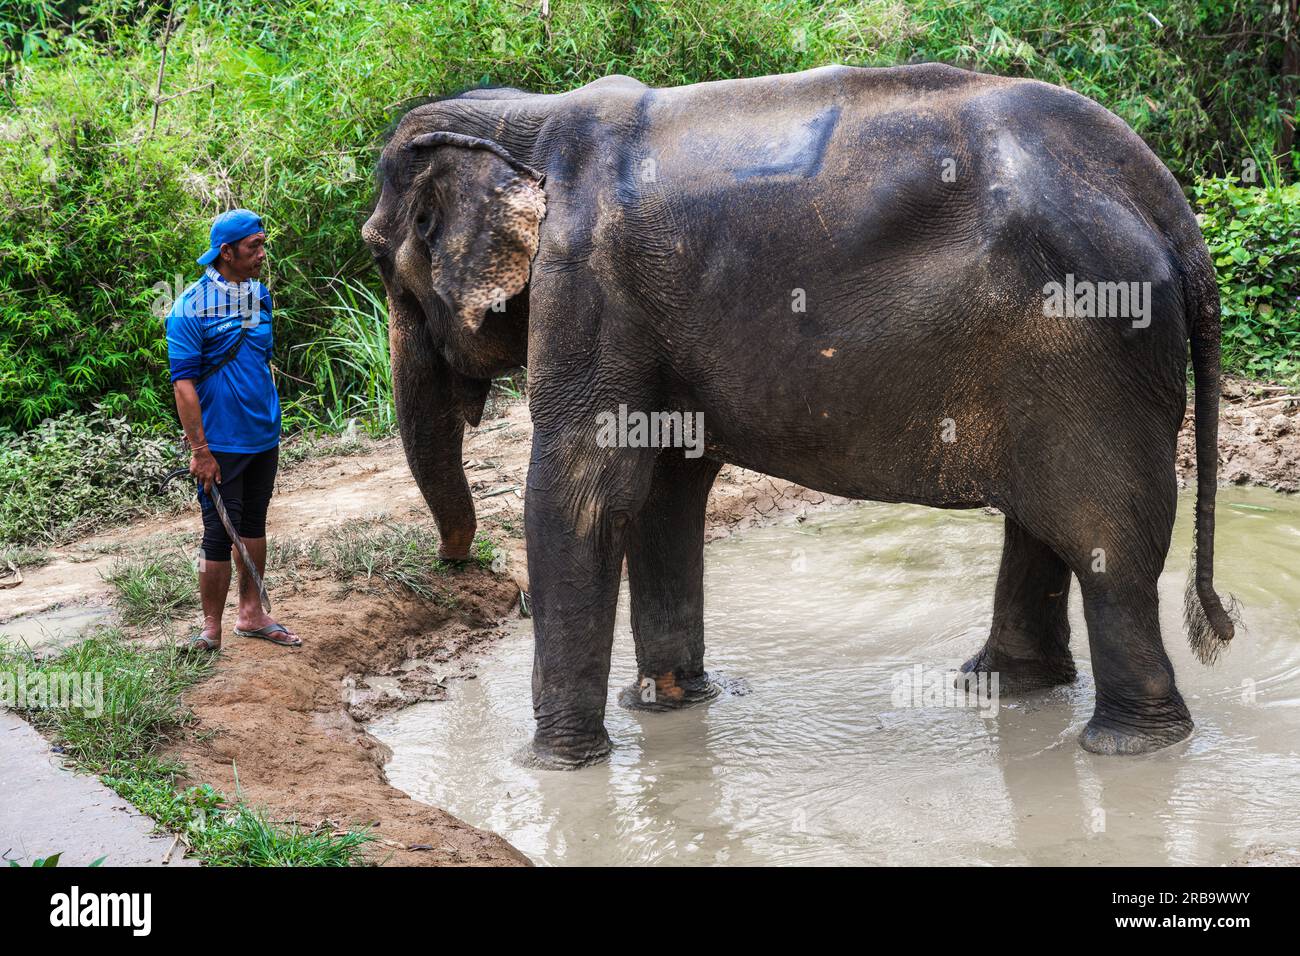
(454, 233)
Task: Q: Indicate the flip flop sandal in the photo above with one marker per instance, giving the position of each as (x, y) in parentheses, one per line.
(265, 634)
(201, 642)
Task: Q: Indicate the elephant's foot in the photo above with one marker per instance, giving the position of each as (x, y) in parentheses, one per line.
(456, 545)
(668, 692)
(568, 754)
(1017, 674)
(1159, 727)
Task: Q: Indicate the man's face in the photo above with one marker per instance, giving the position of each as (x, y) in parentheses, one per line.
(244, 258)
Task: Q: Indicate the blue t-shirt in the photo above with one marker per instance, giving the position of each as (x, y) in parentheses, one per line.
(239, 403)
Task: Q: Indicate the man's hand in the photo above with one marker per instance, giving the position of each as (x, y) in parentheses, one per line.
(204, 467)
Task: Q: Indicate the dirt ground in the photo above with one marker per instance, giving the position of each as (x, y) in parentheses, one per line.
(1259, 437)
(290, 723)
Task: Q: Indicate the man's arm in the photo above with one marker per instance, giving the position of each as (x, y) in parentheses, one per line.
(185, 356)
(203, 465)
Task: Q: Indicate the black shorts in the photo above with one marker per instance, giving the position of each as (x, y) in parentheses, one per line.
(245, 488)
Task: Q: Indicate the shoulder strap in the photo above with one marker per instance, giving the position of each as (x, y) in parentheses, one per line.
(229, 354)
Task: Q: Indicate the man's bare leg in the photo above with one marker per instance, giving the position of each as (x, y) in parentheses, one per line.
(251, 615)
(214, 585)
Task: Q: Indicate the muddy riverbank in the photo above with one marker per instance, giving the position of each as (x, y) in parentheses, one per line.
(1259, 437)
(285, 723)
(290, 723)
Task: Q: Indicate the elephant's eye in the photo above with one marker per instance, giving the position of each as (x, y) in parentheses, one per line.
(425, 225)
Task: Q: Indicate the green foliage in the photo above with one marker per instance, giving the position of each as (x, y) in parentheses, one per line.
(225, 834)
(311, 444)
(76, 473)
(142, 686)
(1253, 233)
(281, 107)
(354, 379)
(1199, 80)
(23, 556)
(53, 860)
(485, 552)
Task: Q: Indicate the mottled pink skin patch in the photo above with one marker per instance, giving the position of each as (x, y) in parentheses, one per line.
(514, 222)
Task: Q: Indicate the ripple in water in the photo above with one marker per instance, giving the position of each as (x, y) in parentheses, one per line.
(817, 763)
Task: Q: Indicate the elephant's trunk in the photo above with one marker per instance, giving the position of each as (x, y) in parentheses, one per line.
(430, 401)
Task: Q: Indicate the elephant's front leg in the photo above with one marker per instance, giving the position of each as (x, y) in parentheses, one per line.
(665, 567)
(579, 502)
(1029, 643)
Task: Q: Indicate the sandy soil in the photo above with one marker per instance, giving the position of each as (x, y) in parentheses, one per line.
(1259, 437)
(290, 723)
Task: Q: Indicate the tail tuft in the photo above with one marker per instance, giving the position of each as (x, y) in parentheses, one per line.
(1210, 626)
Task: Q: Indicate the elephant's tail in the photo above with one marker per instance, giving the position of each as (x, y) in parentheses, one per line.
(1210, 626)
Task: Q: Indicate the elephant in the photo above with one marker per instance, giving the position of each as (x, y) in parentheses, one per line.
(905, 284)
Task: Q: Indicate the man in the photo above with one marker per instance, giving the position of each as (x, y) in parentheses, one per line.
(219, 344)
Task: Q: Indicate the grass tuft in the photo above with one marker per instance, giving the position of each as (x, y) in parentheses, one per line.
(151, 590)
(401, 555)
(24, 556)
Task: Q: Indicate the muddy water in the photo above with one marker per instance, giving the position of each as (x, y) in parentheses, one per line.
(827, 758)
(48, 631)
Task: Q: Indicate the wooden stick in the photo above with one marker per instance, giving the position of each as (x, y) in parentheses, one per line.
(162, 68)
(167, 857)
(193, 89)
(1274, 401)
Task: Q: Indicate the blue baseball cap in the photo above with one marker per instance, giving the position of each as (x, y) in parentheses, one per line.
(230, 227)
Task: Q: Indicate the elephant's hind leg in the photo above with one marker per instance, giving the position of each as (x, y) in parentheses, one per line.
(665, 566)
(1029, 643)
(1138, 706)
(1115, 542)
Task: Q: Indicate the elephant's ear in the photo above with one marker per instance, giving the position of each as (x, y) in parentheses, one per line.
(491, 208)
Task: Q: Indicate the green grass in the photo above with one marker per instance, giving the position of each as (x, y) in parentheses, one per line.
(223, 834)
(367, 556)
(354, 379)
(311, 445)
(141, 706)
(151, 589)
(21, 556)
(142, 709)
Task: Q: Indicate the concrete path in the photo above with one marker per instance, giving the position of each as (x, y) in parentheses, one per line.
(45, 809)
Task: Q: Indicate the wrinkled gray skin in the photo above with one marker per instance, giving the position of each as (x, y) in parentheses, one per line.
(648, 246)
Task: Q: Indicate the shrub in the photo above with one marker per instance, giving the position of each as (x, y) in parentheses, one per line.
(1254, 236)
(281, 107)
(76, 473)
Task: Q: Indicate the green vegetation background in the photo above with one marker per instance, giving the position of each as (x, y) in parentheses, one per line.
(280, 106)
